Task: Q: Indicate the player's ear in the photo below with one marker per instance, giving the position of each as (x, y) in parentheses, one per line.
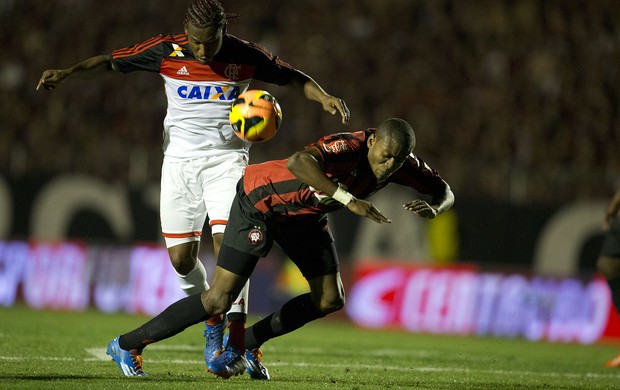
(371, 140)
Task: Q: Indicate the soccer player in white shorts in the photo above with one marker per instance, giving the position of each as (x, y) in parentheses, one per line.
(204, 69)
(191, 190)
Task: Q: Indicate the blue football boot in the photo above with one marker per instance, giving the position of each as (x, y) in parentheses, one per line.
(253, 364)
(130, 362)
(229, 363)
(214, 335)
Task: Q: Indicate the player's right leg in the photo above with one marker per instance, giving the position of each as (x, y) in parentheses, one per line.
(183, 214)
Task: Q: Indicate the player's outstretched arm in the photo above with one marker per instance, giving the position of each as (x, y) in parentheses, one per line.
(429, 211)
(52, 77)
(313, 91)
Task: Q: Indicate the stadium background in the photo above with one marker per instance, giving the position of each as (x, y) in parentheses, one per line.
(516, 103)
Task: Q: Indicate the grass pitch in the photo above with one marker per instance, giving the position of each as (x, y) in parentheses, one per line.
(61, 350)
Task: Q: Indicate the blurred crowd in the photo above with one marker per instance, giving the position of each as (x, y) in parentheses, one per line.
(511, 100)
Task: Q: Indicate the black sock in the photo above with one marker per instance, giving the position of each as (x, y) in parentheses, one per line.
(614, 286)
(176, 318)
(237, 316)
(293, 315)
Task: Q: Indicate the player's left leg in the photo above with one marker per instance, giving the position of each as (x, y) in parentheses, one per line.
(316, 258)
(326, 296)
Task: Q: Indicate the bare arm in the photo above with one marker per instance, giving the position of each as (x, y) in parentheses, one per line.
(425, 210)
(91, 66)
(306, 167)
(305, 85)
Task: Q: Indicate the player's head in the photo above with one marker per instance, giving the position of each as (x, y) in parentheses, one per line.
(389, 147)
(205, 25)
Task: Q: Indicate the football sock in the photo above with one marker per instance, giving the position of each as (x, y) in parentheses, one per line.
(236, 335)
(293, 315)
(614, 286)
(195, 281)
(176, 318)
(237, 317)
(216, 319)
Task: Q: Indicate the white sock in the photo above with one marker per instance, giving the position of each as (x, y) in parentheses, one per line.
(195, 281)
(240, 305)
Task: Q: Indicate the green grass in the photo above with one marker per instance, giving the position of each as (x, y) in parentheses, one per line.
(61, 350)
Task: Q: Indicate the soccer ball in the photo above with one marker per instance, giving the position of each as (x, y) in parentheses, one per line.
(255, 116)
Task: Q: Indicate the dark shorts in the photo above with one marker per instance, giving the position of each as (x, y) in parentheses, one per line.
(611, 243)
(249, 235)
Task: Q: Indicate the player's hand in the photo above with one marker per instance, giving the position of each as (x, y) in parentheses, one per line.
(51, 78)
(368, 210)
(421, 208)
(334, 105)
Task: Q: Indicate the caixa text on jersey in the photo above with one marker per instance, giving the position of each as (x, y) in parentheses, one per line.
(208, 92)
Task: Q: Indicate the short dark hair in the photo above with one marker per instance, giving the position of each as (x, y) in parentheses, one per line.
(400, 131)
(206, 13)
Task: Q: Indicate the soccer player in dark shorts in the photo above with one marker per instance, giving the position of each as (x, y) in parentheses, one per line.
(204, 70)
(608, 262)
(286, 201)
(306, 240)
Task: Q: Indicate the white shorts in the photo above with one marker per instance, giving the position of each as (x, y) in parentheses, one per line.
(193, 189)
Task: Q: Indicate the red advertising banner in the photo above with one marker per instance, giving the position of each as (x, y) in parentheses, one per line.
(462, 300)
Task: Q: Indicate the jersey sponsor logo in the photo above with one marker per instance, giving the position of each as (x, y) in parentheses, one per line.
(336, 146)
(208, 92)
(255, 236)
(177, 51)
(183, 71)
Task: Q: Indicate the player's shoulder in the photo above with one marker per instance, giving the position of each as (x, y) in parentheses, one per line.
(235, 41)
(344, 142)
(233, 46)
(177, 41)
(166, 39)
(172, 45)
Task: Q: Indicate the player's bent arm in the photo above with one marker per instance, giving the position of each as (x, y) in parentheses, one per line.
(306, 167)
(438, 205)
(446, 202)
(91, 66)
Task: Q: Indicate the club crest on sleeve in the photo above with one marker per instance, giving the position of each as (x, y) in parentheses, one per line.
(255, 236)
(335, 147)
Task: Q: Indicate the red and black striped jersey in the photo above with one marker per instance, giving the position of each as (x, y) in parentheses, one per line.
(274, 190)
(254, 60)
(199, 95)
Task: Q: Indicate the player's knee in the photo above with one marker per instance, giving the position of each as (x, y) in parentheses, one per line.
(182, 261)
(332, 304)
